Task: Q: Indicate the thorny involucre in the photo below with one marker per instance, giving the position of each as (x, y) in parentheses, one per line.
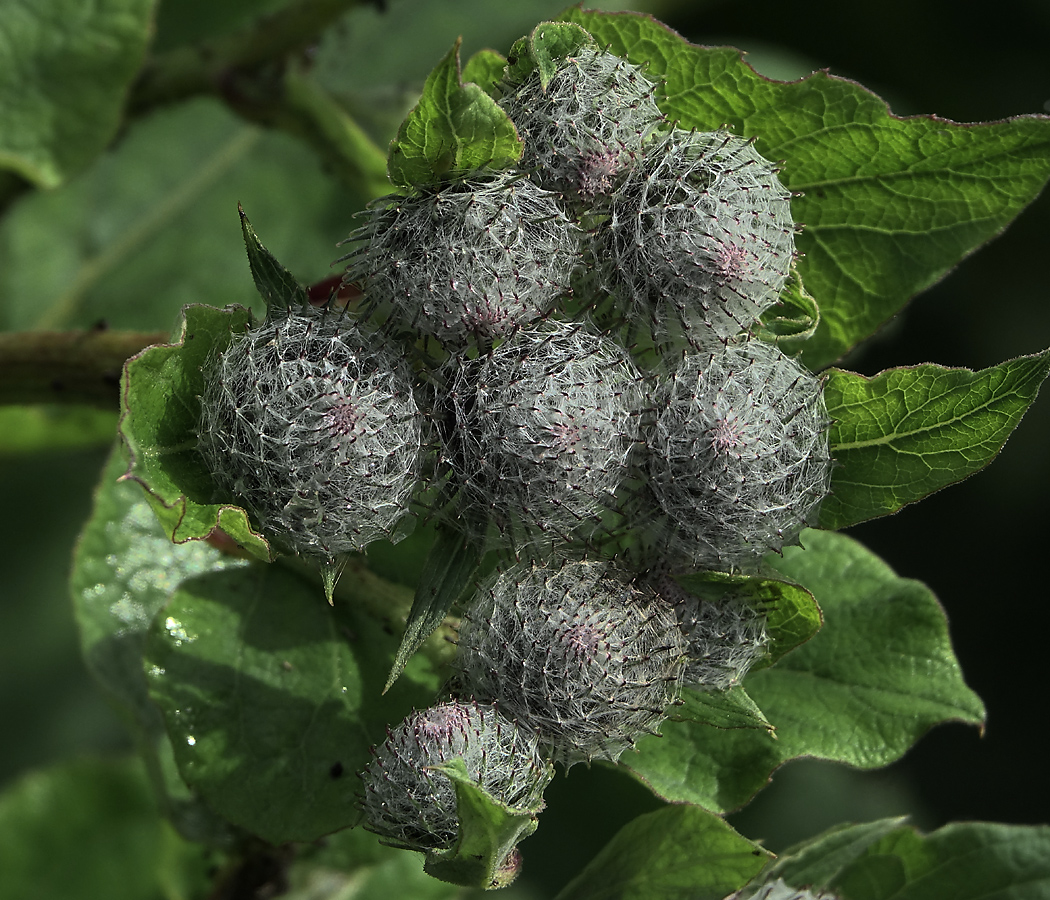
(313, 427)
(583, 654)
(411, 805)
(543, 428)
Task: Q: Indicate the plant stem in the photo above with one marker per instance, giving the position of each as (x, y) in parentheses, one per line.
(68, 366)
(205, 68)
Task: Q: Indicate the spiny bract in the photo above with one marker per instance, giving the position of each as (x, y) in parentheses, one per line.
(414, 806)
(472, 259)
(780, 890)
(698, 241)
(738, 458)
(312, 426)
(584, 655)
(544, 425)
(724, 638)
(586, 125)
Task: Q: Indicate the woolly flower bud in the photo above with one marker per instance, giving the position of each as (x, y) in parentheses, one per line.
(723, 639)
(313, 428)
(739, 456)
(414, 806)
(476, 258)
(586, 125)
(779, 890)
(543, 428)
(579, 652)
(699, 238)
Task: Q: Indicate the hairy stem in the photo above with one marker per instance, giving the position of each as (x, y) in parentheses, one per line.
(68, 366)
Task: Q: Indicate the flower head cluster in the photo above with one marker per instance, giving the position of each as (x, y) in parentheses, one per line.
(412, 805)
(698, 239)
(586, 125)
(543, 428)
(584, 655)
(738, 459)
(472, 259)
(314, 428)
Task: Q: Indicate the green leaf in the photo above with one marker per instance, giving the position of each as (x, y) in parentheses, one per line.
(90, 829)
(489, 831)
(31, 429)
(160, 391)
(152, 225)
(820, 860)
(64, 73)
(272, 698)
(792, 615)
(733, 708)
(277, 286)
(449, 568)
(485, 69)
(543, 50)
(124, 568)
(906, 433)
(962, 861)
(454, 130)
(793, 319)
(678, 851)
(890, 205)
(878, 675)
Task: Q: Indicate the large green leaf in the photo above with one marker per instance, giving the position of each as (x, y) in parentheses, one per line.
(153, 226)
(962, 861)
(908, 432)
(160, 392)
(64, 72)
(455, 129)
(878, 675)
(90, 829)
(890, 205)
(272, 698)
(678, 851)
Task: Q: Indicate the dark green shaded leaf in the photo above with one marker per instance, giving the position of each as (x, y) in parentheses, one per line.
(277, 286)
(906, 433)
(878, 675)
(454, 130)
(64, 73)
(792, 615)
(820, 860)
(722, 709)
(449, 568)
(890, 205)
(90, 829)
(484, 855)
(678, 851)
(272, 698)
(160, 392)
(884, 860)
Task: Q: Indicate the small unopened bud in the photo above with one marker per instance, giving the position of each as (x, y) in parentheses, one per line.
(313, 428)
(583, 654)
(412, 805)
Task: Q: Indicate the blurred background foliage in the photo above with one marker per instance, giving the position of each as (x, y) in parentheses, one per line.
(152, 225)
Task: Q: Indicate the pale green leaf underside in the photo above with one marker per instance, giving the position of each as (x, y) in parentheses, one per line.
(908, 432)
(877, 676)
(890, 205)
(65, 68)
